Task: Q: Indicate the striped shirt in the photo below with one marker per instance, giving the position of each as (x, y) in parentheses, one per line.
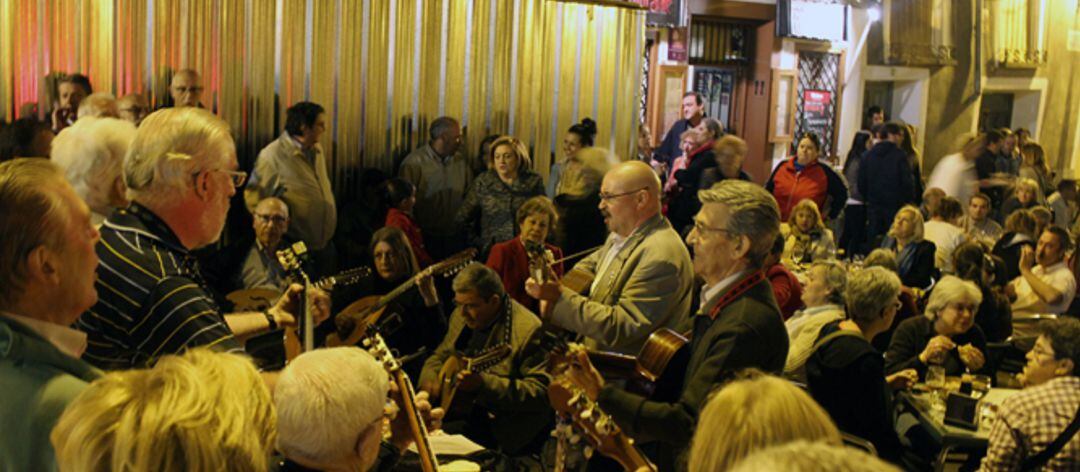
(152, 300)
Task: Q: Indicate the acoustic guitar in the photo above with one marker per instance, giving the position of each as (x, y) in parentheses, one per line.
(354, 320)
(446, 388)
(376, 345)
(656, 372)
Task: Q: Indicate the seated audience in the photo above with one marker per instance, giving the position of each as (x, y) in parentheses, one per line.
(994, 316)
(399, 197)
(1019, 233)
(202, 410)
(1045, 285)
(577, 202)
(914, 255)
(844, 372)
(25, 137)
(944, 231)
(46, 282)
(909, 297)
(330, 421)
(807, 239)
(510, 412)
(947, 335)
(931, 199)
(824, 298)
(804, 456)
(687, 172)
(181, 173)
(513, 260)
(261, 268)
(1026, 195)
(91, 152)
(803, 176)
(786, 287)
(1030, 421)
(752, 413)
(133, 107)
(99, 105)
(977, 224)
(415, 317)
(1063, 202)
(488, 211)
(578, 137)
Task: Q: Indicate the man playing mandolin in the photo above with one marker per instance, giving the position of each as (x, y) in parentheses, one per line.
(510, 412)
(737, 324)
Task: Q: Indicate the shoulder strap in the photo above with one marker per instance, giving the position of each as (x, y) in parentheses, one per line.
(835, 334)
(1040, 459)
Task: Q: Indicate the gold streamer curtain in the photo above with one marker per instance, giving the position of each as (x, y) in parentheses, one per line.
(383, 69)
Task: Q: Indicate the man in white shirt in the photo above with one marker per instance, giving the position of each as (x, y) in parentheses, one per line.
(943, 231)
(955, 174)
(1046, 288)
(977, 224)
(47, 264)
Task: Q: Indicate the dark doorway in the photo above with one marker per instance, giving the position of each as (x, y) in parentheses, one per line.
(996, 111)
(880, 94)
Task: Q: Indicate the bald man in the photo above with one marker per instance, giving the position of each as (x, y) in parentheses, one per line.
(261, 268)
(186, 88)
(643, 275)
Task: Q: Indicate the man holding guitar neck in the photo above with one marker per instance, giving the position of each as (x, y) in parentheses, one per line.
(511, 411)
(736, 326)
(642, 276)
(153, 301)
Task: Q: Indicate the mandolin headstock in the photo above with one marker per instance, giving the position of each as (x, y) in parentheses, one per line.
(376, 345)
(599, 429)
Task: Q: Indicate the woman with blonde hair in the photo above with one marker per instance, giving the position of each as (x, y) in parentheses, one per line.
(202, 410)
(752, 413)
(914, 254)
(489, 209)
(807, 239)
(1027, 194)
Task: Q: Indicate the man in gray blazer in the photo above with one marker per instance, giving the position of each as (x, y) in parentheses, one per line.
(643, 276)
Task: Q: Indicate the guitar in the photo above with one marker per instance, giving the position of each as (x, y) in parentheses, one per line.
(376, 345)
(258, 299)
(355, 318)
(446, 388)
(290, 259)
(599, 429)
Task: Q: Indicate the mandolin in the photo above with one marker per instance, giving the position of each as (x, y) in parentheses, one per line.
(376, 345)
(354, 320)
(600, 430)
(258, 299)
(446, 388)
(290, 259)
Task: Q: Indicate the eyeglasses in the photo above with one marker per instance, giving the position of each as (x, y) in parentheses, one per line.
(238, 178)
(701, 228)
(610, 196)
(276, 219)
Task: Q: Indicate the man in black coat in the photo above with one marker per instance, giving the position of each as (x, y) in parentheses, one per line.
(885, 180)
(736, 326)
(693, 111)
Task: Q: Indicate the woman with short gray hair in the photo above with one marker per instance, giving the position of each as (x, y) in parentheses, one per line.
(844, 372)
(91, 152)
(947, 335)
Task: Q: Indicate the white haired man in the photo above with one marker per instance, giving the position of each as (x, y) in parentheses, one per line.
(736, 326)
(180, 172)
(327, 420)
(643, 273)
(99, 105)
(91, 152)
(47, 264)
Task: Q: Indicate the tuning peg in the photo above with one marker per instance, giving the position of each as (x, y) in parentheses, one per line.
(586, 413)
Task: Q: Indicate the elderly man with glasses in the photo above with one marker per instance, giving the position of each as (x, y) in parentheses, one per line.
(261, 268)
(180, 172)
(642, 275)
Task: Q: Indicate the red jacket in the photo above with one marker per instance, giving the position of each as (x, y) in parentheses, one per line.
(510, 260)
(786, 289)
(816, 181)
(403, 221)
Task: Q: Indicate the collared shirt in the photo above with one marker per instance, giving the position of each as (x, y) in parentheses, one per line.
(286, 170)
(987, 230)
(617, 243)
(261, 270)
(1030, 420)
(795, 323)
(69, 341)
(1058, 276)
(441, 184)
(152, 300)
(708, 292)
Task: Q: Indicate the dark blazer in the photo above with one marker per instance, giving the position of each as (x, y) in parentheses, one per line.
(920, 269)
(885, 177)
(912, 336)
(748, 332)
(1008, 247)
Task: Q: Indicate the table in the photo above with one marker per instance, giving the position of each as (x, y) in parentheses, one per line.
(951, 438)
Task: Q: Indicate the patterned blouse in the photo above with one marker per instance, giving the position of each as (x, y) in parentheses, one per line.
(489, 211)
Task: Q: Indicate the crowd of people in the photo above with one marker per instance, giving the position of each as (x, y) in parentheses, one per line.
(806, 303)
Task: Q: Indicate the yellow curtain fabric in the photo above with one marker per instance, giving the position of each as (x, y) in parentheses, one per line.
(383, 69)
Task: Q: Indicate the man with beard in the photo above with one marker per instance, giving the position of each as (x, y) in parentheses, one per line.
(642, 275)
(180, 172)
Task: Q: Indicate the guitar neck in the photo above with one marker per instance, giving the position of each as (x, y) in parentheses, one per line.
(428, 461)
(629, 456)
